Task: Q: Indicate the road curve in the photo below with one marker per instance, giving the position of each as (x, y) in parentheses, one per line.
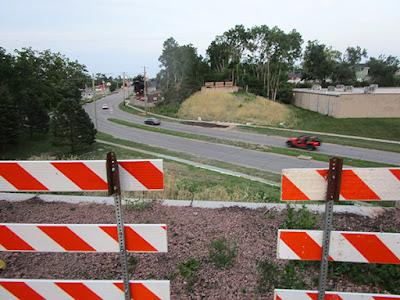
(253, 159)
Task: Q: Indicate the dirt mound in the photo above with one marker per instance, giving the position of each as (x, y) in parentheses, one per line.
(203, 124)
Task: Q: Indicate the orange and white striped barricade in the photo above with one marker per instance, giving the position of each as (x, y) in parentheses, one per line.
(335, 184)
(369, 184)
(77, 176)
(81, 237)
(29, 289)
(346, 246)
(281, 294)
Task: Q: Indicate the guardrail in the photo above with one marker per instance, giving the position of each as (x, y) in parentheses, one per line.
(77, 176)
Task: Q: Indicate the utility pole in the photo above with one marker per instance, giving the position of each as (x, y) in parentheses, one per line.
(145, 95)
(123, 85)
(94, 101)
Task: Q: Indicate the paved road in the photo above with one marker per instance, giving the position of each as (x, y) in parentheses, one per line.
(253, 159)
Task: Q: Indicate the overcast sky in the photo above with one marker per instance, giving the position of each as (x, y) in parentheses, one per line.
(118, 36)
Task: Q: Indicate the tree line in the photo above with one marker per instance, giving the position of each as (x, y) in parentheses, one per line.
(35, 85)
(261, 58)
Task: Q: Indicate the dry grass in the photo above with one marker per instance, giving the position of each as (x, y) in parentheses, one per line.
(224, 107)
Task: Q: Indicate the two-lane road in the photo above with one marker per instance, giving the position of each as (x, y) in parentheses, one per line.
(252, 159)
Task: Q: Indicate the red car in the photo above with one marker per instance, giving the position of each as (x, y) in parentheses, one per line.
(308, 142)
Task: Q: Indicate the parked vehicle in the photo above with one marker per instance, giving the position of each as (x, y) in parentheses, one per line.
(152, 121)
(308, 142)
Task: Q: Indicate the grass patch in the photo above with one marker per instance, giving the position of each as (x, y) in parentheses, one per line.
(379, 128)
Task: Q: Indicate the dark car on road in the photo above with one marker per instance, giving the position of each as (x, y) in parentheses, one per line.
(152, 121)
(304, 141)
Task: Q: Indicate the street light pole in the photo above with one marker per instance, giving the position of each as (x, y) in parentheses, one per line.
(123, 84)
(145, 96)
(94, 101)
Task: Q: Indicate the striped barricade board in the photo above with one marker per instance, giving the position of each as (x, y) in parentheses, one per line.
(356, 184)
(82, 237)
(345, 246)
(76, 176)
(281, 294)
(11, 289)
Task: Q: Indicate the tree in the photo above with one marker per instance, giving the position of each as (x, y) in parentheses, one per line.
(34, 115)
(9, 119)
(383, 69)
(344, 68)
(183, 70)
(71, 126)
(138, 83)
(318, 62)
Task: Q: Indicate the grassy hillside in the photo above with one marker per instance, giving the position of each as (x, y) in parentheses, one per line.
(236, 107)
(247, 108)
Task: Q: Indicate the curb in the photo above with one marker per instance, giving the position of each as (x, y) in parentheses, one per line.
(366, 211)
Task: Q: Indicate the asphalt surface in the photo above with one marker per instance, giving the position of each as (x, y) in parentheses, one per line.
(234, 155)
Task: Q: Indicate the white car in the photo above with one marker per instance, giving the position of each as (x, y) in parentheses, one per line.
(105, 106)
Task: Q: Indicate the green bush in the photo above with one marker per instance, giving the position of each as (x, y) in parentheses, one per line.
(188, 269)
(301, 219)
(221, 254)
(386, 275)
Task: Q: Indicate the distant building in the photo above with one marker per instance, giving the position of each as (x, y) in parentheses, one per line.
(219, 86)
(348, 102)
(295, 78)
(362, 72)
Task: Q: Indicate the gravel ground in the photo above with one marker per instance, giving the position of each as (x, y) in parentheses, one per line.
(251, 233)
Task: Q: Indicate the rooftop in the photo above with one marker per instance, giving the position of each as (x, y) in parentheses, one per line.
(346, 90)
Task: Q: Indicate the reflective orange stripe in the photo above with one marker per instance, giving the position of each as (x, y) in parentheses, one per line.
(138, 291)
(372, 248)
(21, 290)
(19, 178)
(290, 191)
(302, 244)
(78, 291)
(81, 175)
(145, 172)
(134, 242)
(11, 241)
(66, 238)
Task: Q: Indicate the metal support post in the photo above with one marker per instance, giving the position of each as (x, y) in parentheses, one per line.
(114, 188)
(333, 192)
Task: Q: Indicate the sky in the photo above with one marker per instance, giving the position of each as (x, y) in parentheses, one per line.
(117, 36)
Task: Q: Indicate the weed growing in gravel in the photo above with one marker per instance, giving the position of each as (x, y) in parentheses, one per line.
(133, 261)
(221, 254)
(188, 269)
(137, 204)
(301, 219)
(271, 276)
(386, 275)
